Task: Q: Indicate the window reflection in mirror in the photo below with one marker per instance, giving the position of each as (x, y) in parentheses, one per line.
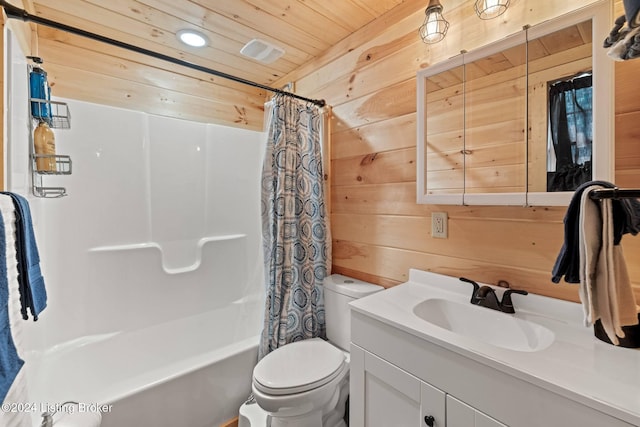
(560, 109)
(570, 134)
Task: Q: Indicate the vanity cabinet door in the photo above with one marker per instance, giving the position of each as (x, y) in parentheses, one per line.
(462, 415)
(383, 395)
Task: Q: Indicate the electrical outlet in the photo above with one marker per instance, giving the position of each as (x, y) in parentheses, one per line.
(439, 225)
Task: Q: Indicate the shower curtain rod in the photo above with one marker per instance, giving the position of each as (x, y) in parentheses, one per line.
(17, 13)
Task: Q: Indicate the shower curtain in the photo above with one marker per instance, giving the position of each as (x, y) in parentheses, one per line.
(295, 228)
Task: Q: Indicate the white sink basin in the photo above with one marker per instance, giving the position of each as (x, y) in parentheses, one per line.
(486, 325)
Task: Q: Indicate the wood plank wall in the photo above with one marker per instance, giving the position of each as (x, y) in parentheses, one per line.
(87, 70)
(379, 231)
(79, 68)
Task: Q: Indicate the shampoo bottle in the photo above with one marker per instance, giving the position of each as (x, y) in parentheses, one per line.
(45, 144)
(38, 88)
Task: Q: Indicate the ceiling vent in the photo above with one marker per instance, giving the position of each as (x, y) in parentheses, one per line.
(262, 51)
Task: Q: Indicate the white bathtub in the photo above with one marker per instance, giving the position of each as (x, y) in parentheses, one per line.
(153, 264)
(191, 372)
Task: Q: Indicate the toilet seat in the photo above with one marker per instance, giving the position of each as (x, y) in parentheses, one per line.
(298, 367)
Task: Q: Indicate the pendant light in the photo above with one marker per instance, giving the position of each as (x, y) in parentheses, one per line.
(435, 26)
(488, 9)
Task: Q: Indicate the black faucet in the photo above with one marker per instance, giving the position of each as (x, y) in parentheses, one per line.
(485, 296)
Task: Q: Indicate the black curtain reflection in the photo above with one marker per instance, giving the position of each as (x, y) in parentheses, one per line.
(570, 122)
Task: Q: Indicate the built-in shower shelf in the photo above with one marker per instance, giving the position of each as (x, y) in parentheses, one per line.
(169, 265)
(135, 246)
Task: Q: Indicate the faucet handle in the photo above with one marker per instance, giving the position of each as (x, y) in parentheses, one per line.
(507, 304)
(476, 287)
(47, 420)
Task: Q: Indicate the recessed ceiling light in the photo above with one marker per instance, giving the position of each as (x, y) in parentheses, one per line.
(192, 38)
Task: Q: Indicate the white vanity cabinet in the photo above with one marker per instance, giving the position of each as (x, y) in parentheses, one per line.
(384, 395)
(398, 378)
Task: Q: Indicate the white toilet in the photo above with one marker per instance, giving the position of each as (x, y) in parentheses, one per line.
(306, 383)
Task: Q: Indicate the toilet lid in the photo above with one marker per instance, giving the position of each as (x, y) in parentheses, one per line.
(298, 367)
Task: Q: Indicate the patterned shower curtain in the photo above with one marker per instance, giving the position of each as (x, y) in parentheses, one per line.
(295, 227)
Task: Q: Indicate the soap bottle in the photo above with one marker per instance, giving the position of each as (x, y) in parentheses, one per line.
(39, 89)
(45, 144)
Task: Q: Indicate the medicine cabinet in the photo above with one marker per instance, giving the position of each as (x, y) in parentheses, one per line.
(488, 130)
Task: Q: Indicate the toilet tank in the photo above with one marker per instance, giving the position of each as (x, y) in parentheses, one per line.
(339, 291)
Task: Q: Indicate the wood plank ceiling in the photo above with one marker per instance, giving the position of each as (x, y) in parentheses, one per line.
(84, 69)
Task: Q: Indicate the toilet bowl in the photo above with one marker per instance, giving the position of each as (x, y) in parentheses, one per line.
(302, 394)
(306, 383)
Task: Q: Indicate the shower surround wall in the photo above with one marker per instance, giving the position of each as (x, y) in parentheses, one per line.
(159, 233)
(161, 221)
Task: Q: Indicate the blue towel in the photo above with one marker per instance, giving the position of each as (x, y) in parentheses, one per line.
(33, 295)
(10, 362)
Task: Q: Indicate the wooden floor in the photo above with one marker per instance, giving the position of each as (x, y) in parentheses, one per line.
(230, 423)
